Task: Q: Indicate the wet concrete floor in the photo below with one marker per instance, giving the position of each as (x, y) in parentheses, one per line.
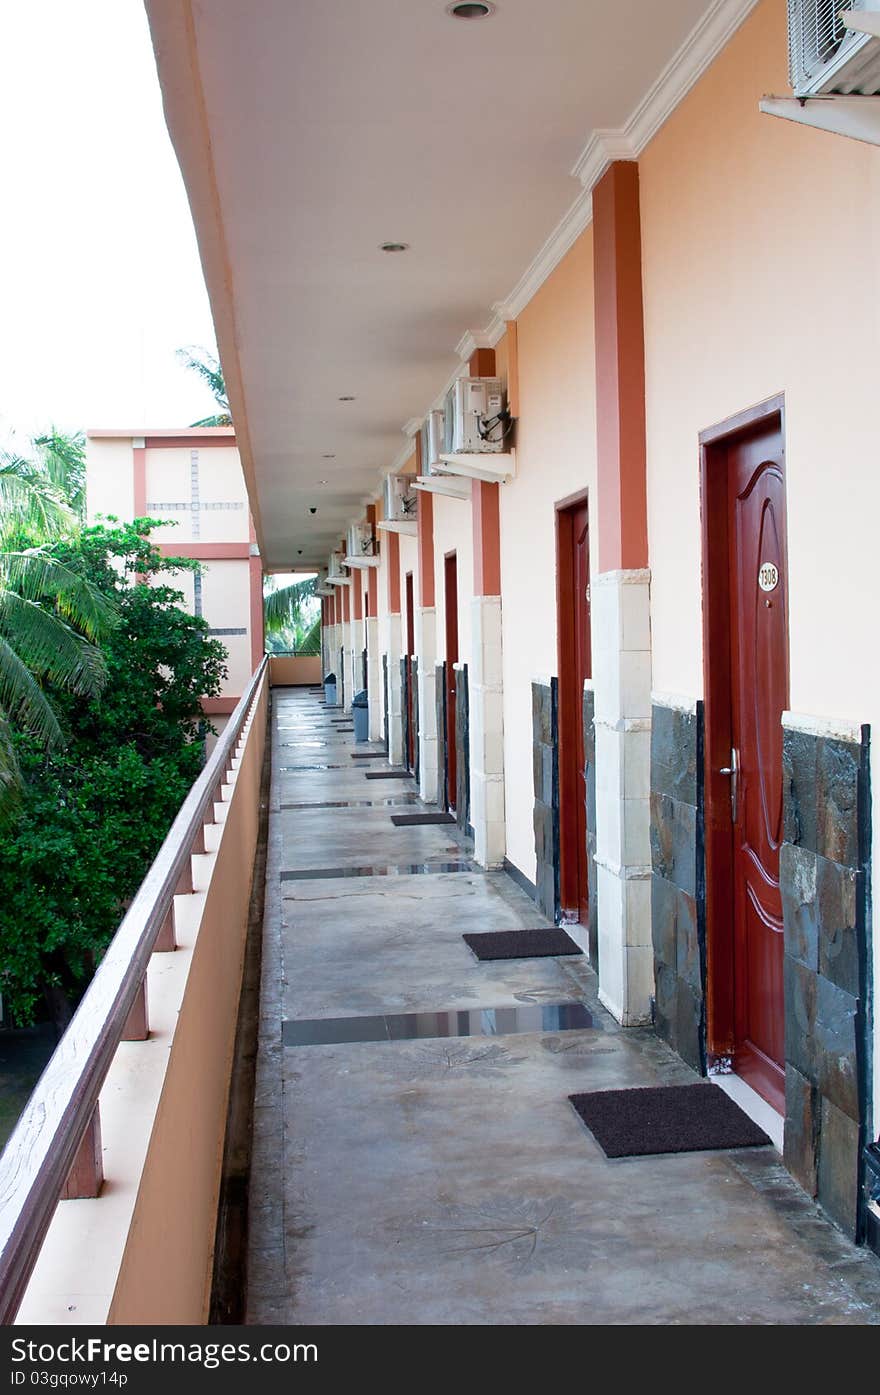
(402, 1176)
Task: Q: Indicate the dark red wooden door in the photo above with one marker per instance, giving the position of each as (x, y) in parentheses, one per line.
(410, 649)
(451, 577)
(759, 695)
(573, 548)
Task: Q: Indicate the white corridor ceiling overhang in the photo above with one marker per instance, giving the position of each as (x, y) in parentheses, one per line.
(310, 132)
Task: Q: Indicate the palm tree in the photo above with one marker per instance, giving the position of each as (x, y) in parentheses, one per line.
(209, 370)
(51, 618)
(63, 460)
(289, 613)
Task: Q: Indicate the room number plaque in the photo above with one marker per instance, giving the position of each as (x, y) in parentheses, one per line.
(768, 576)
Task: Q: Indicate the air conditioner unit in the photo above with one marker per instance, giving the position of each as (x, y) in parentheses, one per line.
(362, 550)
(433, 442)
(400, 503)
(476, 420)
(825, 56)
(336, 572)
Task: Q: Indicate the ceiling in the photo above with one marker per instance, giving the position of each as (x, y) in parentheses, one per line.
(311, 131)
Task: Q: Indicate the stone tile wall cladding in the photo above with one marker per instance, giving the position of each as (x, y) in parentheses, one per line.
(462, 751)
(404, 707)
(824, 872)
(340, 679)
(385, 701)
(440, 704)
(677, 880)
(415, 711)
(545, 764)
(590, 773)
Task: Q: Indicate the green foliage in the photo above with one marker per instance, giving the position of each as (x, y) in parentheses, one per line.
(62, 458)
(94, 811)
(291, 615)
(51, 616)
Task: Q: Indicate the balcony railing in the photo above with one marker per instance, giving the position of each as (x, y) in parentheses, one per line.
(55, 1151)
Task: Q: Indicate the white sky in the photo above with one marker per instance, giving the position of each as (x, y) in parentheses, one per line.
(100, 279)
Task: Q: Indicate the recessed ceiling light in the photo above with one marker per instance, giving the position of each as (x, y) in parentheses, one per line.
(393, 246)
(323, 481)
(347, 399)
(467, 10)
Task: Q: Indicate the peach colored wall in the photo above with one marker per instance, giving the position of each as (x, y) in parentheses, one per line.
(220, 481)
(176, 1208)
(555, 457)
(109, 478)
(453, 533)
(292, 670)
(761, 259)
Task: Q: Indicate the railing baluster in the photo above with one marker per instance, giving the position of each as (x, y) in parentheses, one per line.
(166, 940)
(87, 1173)
(137, 1024)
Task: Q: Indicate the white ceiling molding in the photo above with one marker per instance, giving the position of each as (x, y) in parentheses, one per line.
(412, 427)
(703, 44)
(563, 236)
(699, 49)
(470, 342)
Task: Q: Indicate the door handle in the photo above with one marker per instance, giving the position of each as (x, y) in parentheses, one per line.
(733, 771)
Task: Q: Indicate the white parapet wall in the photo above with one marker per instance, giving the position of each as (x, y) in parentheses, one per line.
(142, 1252)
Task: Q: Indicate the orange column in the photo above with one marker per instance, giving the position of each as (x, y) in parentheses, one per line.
(373, 575)
(486, 525)
(139, 466)
(357, 588)
(346, 604)
(620, 370)
(392, 544)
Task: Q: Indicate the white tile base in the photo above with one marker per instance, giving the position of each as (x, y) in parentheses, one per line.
(622, 684)
(486, 735)
(426, 650)
(374, 681)
(395, 691)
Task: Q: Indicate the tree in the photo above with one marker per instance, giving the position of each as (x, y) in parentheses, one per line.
(209, 370)
(93, 812)
(51, 618)
(291, 617)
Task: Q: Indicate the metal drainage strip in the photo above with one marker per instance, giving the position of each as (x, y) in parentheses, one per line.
(424, 1026)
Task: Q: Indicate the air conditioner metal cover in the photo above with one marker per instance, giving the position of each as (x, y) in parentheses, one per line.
(825, 56)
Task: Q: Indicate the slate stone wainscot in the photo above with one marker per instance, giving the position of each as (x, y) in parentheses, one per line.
(340, 672)
(545, 764)
(440, 705)
(385, 700)
(462, 750)
(678, 925)
(415, 712)
(825, 878)
(590, 773)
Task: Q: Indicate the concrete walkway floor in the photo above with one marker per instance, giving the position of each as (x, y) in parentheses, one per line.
(446, 1179)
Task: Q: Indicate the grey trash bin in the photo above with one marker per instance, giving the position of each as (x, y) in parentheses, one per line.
(330, 689)
(361, 712)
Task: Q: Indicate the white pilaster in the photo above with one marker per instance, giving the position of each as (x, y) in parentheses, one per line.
(348, 661)
(374, 679)
(395, 690)
(621, 635)
(426, 652)
(486, 717)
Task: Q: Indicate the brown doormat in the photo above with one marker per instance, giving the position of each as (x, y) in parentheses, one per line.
(389, 775)
(666, 1119)
(521, 944)
(412, 820)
